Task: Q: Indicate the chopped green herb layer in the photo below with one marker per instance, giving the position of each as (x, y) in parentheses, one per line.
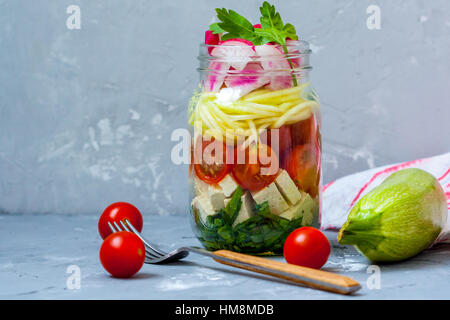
(263, 233)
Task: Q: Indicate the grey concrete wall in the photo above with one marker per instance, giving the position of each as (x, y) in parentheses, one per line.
(86, 115)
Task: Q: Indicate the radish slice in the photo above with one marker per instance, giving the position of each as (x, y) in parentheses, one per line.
(238, 42)
(257, 26)
(211, 39)
(216, 75)
(236, 52)
(247, 83)
(280, 81)
(273, 59)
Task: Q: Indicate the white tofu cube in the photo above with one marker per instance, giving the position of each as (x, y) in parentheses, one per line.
(228, 185)
(217, 197)
(288, 188)
(310, 210)
(200, 186)
(305, 208)
(272, 195)
(293, 212)
(246, 210)
(203, 206)
(214, 192)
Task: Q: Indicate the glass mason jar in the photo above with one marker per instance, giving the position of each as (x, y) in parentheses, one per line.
(255, 172)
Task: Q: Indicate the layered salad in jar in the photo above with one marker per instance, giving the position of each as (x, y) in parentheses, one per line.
(255, 171)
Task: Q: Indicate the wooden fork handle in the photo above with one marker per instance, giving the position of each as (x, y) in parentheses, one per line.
(306, 276)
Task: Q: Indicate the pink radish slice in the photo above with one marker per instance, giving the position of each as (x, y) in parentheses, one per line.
(216, 75)
(273, 59)
(291, 49)
(257, 26)
(236, 52)
(254, 79)
(280, 81)
(237, 42)
(211, 39)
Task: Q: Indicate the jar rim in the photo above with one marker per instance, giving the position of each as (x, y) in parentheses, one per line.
(301, 46)
(296, 50)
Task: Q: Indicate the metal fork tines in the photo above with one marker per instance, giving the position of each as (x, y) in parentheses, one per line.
(153, 254)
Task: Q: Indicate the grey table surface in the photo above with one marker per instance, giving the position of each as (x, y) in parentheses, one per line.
(36, 251)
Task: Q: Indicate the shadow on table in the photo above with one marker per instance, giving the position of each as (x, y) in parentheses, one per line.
(434, 257)
(139, 276)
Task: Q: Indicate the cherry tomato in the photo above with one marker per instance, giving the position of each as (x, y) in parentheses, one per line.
(304, 132)
(213, 168)
(284, 139)
(307, 247)
(303, 165)
(122, 254)
(117, 212)
(255, 176)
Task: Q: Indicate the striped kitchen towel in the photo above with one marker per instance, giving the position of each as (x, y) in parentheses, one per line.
(339, 196)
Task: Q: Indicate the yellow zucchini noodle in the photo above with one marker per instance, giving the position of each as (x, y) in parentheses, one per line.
(251, 114)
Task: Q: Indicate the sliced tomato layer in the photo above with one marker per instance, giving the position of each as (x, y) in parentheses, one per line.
(213, 160)
(303, 132)
(256, 168)
(279, 140)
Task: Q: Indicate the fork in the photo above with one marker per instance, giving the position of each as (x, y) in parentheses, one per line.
(313, 278)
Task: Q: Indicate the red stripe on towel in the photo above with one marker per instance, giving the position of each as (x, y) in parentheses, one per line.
(325, 187)
(445, 174)
(387, 170)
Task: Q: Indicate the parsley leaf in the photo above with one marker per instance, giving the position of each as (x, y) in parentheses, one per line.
(215, 28)
(273, 28)
(236, 26)
(233, 25)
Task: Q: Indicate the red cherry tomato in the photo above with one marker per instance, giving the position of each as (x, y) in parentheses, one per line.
(285, 142)
(284, 139)
(307, 132)
(256, 176)
(213, 166)
(307, 247)
(303, 132)
(117, 212)
(122, 254)
(303, 165)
